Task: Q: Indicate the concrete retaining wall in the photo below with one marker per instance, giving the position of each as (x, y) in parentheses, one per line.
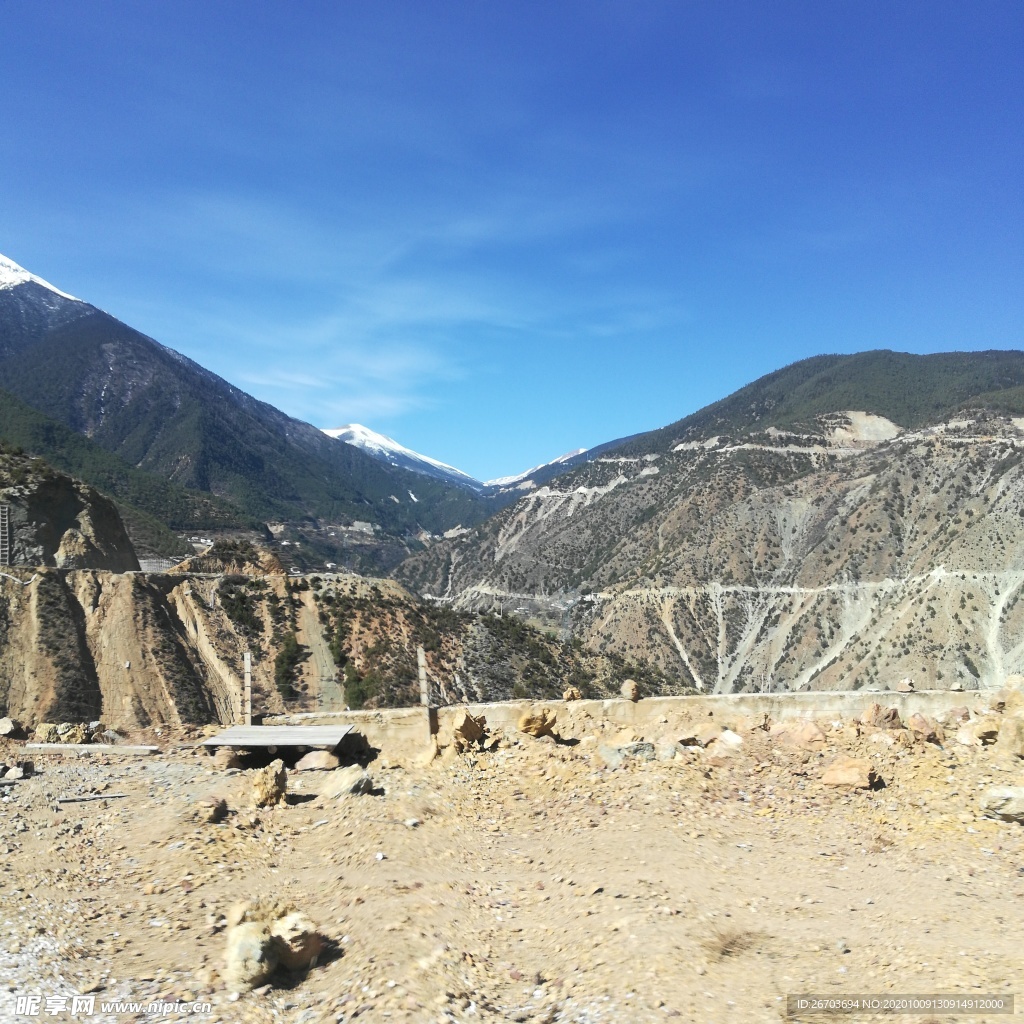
(404, 732)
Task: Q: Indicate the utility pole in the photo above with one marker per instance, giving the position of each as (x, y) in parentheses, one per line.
(421, 664)
(5, 534)
(247, 692)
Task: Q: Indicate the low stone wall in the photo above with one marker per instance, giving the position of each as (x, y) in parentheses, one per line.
(405, 732)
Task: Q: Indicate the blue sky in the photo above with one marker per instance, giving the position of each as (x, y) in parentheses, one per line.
(501, 231)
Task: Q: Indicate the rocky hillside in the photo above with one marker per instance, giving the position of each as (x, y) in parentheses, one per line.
(138, 649)
(57, 521)
(766, 544)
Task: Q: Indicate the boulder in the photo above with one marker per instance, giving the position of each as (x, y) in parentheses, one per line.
(251, 955)
(881, 718)
(883, 739)
(800, 733)
(615, 757)
(630, 690)
(317, 761)
(264, 934)
(46, 732)
(226, 758)
(955, 716)
(350, 781)
(15, 772)
(905, 685)
(667, 749)
(72, 732)
(10, 729)
(728, 738)
(701, 735)
(1011, 737)
(467, 730)
(924, 728)
(1005, 803)
(210, 810)
(298, 941)
(1012, 702)
(851, 773)
(270, 785)
(537, 723)
(572, 693)
(965, 736)
(985, 729)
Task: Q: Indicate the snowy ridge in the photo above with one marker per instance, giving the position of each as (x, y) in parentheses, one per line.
(11, 275)
(506, 481)
(389, 450)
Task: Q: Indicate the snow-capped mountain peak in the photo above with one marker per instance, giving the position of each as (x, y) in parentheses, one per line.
(11, 275)
(507, 481)
(389, 450)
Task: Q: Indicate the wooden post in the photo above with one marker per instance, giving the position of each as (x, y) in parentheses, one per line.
(247, 694)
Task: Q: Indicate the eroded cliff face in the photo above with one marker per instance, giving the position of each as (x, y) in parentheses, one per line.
(53, 520)
(126, 649)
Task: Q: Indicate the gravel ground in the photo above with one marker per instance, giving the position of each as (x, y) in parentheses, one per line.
(528, 883)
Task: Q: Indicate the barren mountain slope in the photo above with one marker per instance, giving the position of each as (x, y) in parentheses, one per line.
(850, 553)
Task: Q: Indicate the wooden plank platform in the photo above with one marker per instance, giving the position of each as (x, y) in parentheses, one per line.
(251, 736)
(92, 748)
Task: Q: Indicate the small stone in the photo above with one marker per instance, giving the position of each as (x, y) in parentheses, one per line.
(1006, 803)
(317, 760)
(350, 781)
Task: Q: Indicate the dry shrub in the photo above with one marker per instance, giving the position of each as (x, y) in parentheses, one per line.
(726, 941)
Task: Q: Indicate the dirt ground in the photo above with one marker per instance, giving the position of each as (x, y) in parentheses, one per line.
(529, 883)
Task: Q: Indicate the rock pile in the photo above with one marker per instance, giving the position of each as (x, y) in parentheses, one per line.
(71, 732)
